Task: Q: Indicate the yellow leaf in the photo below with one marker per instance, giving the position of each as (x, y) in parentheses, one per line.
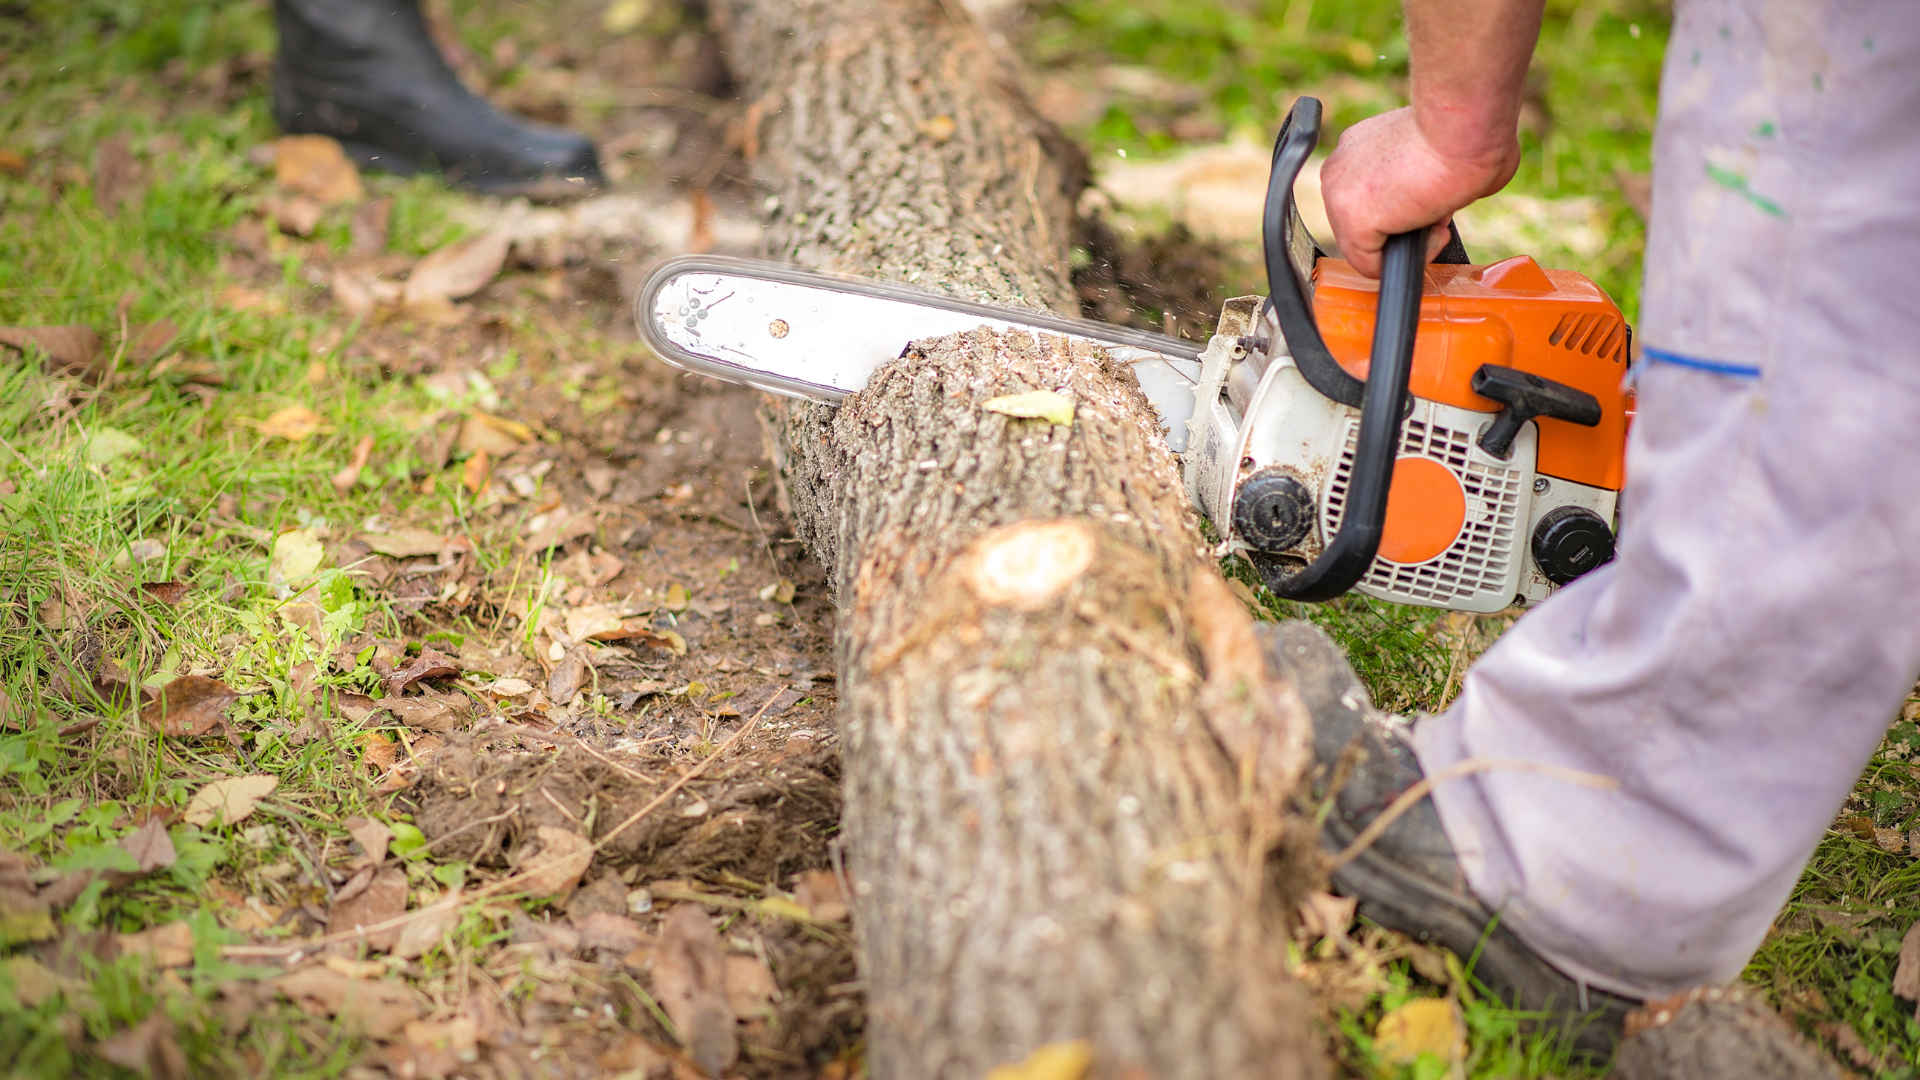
(297, 553)
(231, 800)
(1035, 405)
(293, 423)
(785, 909)
(1054, 1061)
(677, 597)
(1421, 1026)
(624, 16)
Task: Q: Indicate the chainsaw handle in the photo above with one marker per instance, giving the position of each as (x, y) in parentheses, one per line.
(1290, 253)
(1351, 551)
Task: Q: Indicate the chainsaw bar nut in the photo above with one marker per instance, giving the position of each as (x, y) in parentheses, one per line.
(1273, 510)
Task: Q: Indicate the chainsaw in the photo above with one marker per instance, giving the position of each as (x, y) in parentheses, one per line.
(1450, 436)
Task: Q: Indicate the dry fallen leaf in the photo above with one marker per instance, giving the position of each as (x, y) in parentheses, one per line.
(690, 981)
(28, 980)
(750, 985)
(819, 892)
(150, 846)
(560, 862)
(148, 1048)
(561, 527)
(669, 640)
(430, 664)
(1906, 977)
(73, 349)
(242, 298)
(424, 713)
(780, 592)
(170, 945)
(147, 342)
(383, 898)
(376, 1007)
(1421, 1026)
(344, 480)
(231, 800)
(1036, 405)
(677, 598)
(167, 592)
(511, 687)
(429, 926)
(475, 472)
(12, 163)
(1067, 1060)
(373, 836)
(189, 706)
(614, 933)
(293, 423)
(939, 128)
(594, 622)
(316, 165)
(569, 675)
(633, 1056)
(494, 435)
(116, 176)
(296, 215)
(1324, 915)
(369, 227)
(405, 543)
(457, 270)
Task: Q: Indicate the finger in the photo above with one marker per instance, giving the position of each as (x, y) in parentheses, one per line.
(1437, 237)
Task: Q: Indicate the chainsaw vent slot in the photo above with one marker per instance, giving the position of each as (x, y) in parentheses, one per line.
(1481, 558)
(1587, 333)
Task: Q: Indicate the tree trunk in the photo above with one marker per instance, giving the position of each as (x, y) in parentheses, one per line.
(1066, 767)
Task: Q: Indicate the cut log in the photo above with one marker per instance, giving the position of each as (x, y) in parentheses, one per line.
(1067, 771)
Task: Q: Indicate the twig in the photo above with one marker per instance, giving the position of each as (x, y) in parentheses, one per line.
(747, 479)
(476, 823)
(1458, 769)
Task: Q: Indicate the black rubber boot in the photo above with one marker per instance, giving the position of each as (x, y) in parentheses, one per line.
(367, 73)
(1408, 879)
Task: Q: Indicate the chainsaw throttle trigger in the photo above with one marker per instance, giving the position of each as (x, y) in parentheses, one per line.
(1524, 396)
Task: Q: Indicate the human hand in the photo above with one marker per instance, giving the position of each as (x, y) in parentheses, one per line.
(1387, 177)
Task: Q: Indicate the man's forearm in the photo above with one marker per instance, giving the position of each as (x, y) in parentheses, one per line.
(1469, 67)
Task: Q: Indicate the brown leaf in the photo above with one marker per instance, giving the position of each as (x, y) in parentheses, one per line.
(295, 215)
(169, 945)
(369, 227)
(560, 862)
(189, 706)
(167, 592)
(405, 543)
(495, 435)
(1906, 977)
(690, 981)
(231, 800)
(633, 1056)
(424, 712)
(373, 836)
(382, 752)
(375, 1007)
(150, 846)
(73, 349)
(12, 163)
(594, 622)
(344, 480)
(148, 1048)
(293, 423)
(117, 177)
(819, 892)
(614, 933)
(560, 528)
(430, 926)
(750, 985)
(568, 676)
(457, 270)
(476, 471)
(384, 898)
(316, 165)
(147, 341)
(430, 664)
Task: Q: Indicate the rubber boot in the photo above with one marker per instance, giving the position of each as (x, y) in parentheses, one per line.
(367, 73)
(1408, 879)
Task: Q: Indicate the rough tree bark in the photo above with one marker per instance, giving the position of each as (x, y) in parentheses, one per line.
(1066, 767)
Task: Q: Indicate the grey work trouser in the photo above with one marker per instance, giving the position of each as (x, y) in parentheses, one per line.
(1736, 665)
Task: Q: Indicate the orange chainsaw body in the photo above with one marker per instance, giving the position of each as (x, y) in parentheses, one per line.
(1551, 323)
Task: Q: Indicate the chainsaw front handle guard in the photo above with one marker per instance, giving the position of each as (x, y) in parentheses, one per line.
(1345, 559)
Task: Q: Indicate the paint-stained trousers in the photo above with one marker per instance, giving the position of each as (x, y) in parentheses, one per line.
(1738, 662)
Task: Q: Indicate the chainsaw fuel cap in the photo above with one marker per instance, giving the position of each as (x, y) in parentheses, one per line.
(1273, 510)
